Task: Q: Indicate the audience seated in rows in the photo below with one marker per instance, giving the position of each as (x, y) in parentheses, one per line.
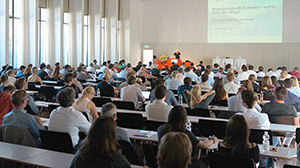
(6, 105)
(100, 148)
(19, 117)
(235, 103)
(256, 120)
(31, 107)
(291, 98)
(236, 142)
(176, 123)
(173, 83)
(132, 92)
(110, 110)
(230, 87)
(158, 110)
(34, 78)
(66, 119)
(198, 100)
(84, 103)
(68, 84)
(170, 99)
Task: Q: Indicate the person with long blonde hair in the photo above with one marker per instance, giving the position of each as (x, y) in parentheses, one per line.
(84, 103)
(295, 87)
(198, 100)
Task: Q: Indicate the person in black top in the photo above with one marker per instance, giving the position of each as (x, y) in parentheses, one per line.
(105, 88)
(100, 148)
(69, 83)
(236, 142)
(177, 54)
(42, 73)
(174, 66)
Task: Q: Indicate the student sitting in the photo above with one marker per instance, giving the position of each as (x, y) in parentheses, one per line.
(187, 85)
(100, 148)
(82, 74)
(236, 142)
(254, 84)
(6, 105)
(3, 82)
(266, 86)
(19, 117)
(244, 75)
(34, 77)
(173, 83)
(260, 74)
(170, 99)
(21, 72)
(198, 100)
(42, 73)
(221, 95)
(295, 88)
(84, 103)
(69, 84)
(11, 77)
(203, 85)
(230, 86)
(105, 88)
(56, 75)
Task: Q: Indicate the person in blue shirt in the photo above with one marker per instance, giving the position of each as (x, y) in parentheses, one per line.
(187, 85)
(42, 73)
(19, 117)
(123, 73)
(21, 72)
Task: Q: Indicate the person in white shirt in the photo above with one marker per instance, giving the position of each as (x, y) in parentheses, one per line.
(95, 64)
(260, 73)
(251, 71)
(173, 83)
(284, 69)
(211, 73)
(203, 85)
(66, 119)
(48, 69)
(91, 68)
(244, 75)
(11, 77)
(192, 75)
(159, 109)
(277, 73)
(180, 74)
(150, 66)
(235, 103)
(132, 92)
(255, 119)
(270, 72)
(230, 86)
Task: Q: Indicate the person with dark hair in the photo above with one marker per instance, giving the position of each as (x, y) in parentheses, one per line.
(170, 99)
(57, 64)
(105, 88)
(270, 72)
(104, 65)
(173, 83)
(82, 74)
(191, 74)
(123, 73)
(139, 81)
(176, 123)
(95, 64)
(254, 84)
(56, 75)
(221, 95)
(68, 84)
(49, 69)
(78, 85)
(34, 77)
(291, 98)
(112, 72)
(159, 109)
(187, 85)
(19, 117)
(175, 150)
(66, 119)
(255, 119)
(280, 108)
(3, 69)
(31, 107)
(295, 72)
(198, 71)
(277, 72)
(67, 69)
(216, 68)
(6, 105)
(260, 74)
(11, 77)
(210, 75)
(247, 84)
(21, 72)
(236, 142)
(201, 64)
(244, 75)
(132, 92)
(203, 85)
(3, 82)
(174, 66)
(230, 86)
(42, 73)
(275, 81)
(100, 148)
(91, 69)
(8, 68)
(251, 71)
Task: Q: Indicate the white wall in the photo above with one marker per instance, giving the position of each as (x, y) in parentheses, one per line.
(175, 24)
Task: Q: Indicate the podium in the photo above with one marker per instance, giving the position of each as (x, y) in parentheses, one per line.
(162, 65)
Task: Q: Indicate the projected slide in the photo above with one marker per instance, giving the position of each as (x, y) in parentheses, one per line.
(244, 21)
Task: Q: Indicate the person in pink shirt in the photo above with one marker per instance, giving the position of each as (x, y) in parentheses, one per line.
(295, 72)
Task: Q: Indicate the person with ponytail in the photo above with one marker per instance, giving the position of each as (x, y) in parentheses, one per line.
(84, 103)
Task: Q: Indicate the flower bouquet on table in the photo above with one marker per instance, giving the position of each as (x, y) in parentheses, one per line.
(163, 58)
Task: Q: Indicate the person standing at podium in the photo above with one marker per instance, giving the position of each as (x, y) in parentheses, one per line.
(177, 54)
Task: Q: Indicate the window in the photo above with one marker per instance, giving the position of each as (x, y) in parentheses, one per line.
(118, 40)
(66, 50)
(42, 35)
(103, 38)
(85, 39)
(15, 33)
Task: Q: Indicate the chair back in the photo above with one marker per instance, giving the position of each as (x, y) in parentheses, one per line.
(51, 107)
(16, 135)
(129, 152)
(212, 127)
(49, 92)
(32, 87)
(56, 141)
(288, 120)
(290, 166)
(124, 105)
(217, 160)
(297, 135)
(225, 114)
(256, 135)
(268, 97)
(198, 112)
(86, 116)
(99, 101)
(153, 125)
(131, 120)
(150, 152)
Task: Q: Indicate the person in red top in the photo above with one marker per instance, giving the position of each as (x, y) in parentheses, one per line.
(6, 105)
(295, 72)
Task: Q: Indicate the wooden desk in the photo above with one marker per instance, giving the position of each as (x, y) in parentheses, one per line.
(282, 153)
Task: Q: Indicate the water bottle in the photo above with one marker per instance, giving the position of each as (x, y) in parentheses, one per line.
(266, 142)
(98, 92)
(188, 125)
(180, 99)
(261, 98)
